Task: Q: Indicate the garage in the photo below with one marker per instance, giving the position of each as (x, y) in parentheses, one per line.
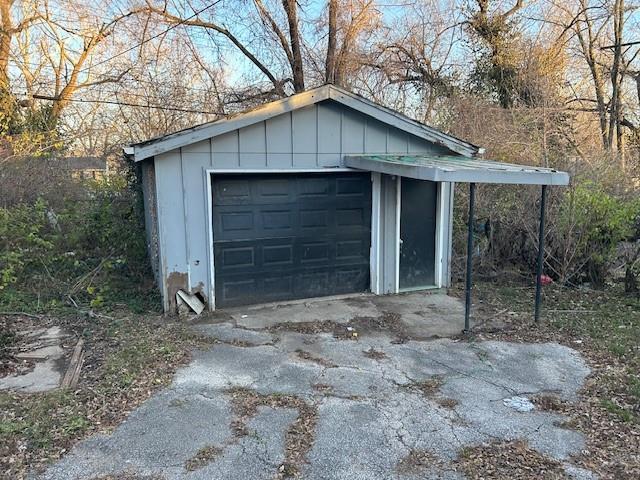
(283, 236)
(317, 194)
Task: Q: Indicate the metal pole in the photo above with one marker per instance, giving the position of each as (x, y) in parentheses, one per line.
(467, 305)
(543, 201)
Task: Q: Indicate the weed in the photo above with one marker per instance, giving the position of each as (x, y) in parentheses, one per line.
(202, 458)
(622, 413)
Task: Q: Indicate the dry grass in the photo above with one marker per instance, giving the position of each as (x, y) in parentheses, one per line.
(513, 460)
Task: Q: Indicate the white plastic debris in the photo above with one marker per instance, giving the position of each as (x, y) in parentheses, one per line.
(520, 404)
(192, 301)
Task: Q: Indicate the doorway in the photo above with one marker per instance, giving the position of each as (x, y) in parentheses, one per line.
(418, 207)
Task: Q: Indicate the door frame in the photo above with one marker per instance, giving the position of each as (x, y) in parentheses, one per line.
(441, 214)
(210, 173)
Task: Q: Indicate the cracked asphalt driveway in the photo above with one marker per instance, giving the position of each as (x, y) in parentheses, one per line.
(277, 403)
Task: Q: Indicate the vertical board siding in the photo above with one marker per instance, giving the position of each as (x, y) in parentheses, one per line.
(171, 221)
(418, 145)
(397, 141)
(193, 166)
(375, 137)
(225, 152)
(329, 134)
(279, 144)
(388, 224)
(353, 132)
(253, 146)
(304, 126)
(199, 147)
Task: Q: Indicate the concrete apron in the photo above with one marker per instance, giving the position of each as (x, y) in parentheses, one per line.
(423, 315)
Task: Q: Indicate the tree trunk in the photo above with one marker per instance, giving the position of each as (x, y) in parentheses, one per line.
(6, 33)
(330, 63)
(614, 104)
(291, 9)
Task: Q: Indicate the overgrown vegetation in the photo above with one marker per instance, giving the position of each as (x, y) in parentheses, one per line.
(89, 253)
(127, 359)
(592, 231)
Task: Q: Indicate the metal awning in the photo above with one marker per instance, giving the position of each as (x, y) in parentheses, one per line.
(456, 168)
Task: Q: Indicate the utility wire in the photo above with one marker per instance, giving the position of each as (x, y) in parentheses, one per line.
(153, 37)
(128, 104)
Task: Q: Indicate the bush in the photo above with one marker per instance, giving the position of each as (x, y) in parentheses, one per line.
(90, 253)
(595, 222)
(585, 225)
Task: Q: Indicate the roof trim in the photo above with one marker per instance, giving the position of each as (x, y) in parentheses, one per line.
(454, 168)
(198, 133)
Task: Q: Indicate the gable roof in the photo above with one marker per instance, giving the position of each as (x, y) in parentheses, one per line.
(163, 144)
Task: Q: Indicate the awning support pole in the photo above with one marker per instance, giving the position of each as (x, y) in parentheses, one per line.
(467, 304)
(540, 266)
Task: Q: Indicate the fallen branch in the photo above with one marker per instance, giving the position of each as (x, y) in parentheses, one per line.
(24, 314)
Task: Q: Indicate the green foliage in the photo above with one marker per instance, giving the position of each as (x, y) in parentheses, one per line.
(598, 222)
(27, 129)
(92, 252)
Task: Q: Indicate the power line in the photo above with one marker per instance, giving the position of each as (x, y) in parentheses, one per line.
(128, 104)
(153, 37)
(628, 44)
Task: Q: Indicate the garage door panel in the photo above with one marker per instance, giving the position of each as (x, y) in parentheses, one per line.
(283, 219)
(238, 257)
(277, 255)
(235, 191)
(297, 236)
(302, 283)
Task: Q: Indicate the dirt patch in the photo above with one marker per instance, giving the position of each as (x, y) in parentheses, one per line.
(300, 434)
(513, 460)
(551, 403)
(322, 388)
(389, 322)
(449, 403)
(417, 461)
(308, 328)
(323, 362)
(429, 387)
(374, 354)
(202, 458)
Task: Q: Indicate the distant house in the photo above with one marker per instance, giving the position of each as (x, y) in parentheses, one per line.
(85, 167)
(320, 193)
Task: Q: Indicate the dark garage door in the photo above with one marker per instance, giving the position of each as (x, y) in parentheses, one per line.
(287, 236)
